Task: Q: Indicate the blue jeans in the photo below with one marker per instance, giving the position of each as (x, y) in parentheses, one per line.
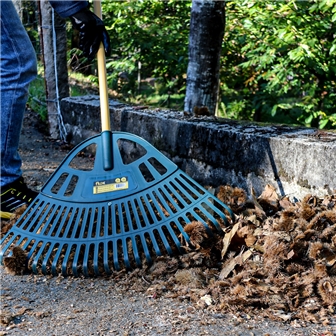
(18, 68)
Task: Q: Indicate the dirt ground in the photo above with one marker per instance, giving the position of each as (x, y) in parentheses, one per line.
(45, 305)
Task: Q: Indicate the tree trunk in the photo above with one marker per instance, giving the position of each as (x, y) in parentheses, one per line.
(205, 42)
(54, 49)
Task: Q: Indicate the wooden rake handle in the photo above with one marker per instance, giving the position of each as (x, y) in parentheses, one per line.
(104, 102)
(106, 134)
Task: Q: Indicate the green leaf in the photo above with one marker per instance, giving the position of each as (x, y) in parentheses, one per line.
(333, 18)
(323, 123)
(274, 110)
(309, 119)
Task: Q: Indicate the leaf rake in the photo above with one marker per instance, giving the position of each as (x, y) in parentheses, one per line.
(114, 202)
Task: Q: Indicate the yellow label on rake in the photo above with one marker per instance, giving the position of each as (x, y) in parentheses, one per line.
(120, 183)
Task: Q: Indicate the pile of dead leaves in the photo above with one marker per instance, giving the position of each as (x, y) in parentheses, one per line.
(279, 256)
(277, 260)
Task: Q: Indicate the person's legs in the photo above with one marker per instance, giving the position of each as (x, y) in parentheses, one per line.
(18, 69)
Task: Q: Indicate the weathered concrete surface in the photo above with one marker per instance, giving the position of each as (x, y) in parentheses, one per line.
(296, 161)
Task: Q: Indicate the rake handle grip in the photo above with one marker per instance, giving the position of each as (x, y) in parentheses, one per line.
(106, 141)
(106, 134)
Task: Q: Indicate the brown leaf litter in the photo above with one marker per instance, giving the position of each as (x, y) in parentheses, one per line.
(7, 225)
(16, 264)
(276, 260)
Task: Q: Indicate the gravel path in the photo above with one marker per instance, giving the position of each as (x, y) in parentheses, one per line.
(39, 305)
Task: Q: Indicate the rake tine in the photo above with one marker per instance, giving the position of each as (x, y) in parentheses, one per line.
(65, 260)
(149, 207)
(106, 258)
(54, 209)
(115, 255)
(136, 252)
(128, 218)
(193, 184)
(95, 259)
(106, 220)
(167, 193)
(215, 210)
(105, 244)
(54, 263)
(165, 241)
(25, 245)
(136, 215)
(143, 212)
(75, 261)
(221, 214)
(113, 220)
(210, 216)
(11, 252)
(37, 255)
(46, 258)
(121, 218)
(60, 226)
(200, 219)
(171, 191)
(50, 224)
(84, 222)
(99, 217)
(178, 224)
(145, 248)
(92, 219)
(184, 186)
(69, 222)
(125, 253)
(178, 196)
(85, 260)
(155, 245)
(16, 244)
(174, 237)
(33, 221)
(75, 228)
(9, 243)
(157, 205)
(164, 203)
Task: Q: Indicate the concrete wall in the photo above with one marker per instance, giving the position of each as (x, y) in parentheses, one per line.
(214, 151)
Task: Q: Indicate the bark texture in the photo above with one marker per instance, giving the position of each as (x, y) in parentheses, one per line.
(205, 42)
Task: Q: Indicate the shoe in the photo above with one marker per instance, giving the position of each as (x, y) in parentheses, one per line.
(13, 196)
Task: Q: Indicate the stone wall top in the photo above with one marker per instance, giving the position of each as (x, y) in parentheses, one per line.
(216, 151)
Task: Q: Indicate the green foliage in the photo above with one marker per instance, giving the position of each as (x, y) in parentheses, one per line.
(278, 58)
(29, 17)
(152, 34)
(36, 96)
(79, 85)
(280, 61)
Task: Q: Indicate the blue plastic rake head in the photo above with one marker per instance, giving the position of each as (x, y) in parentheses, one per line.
(88, 220)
